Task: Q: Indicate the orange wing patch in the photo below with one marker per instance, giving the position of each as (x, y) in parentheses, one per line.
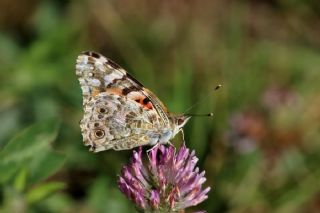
(155, 99)
(144, 101)
(95, 92)
(115, 91)
(141, 99)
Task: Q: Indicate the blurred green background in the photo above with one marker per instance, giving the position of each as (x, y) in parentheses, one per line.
(261, 150)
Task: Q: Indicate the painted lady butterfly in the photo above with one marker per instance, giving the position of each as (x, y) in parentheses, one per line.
(119, 113)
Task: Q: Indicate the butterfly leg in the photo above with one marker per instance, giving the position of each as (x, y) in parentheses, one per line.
(182, 133)
(170, 144)
(154, 147)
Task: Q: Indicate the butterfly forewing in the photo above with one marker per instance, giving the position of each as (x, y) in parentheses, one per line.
(119, 113)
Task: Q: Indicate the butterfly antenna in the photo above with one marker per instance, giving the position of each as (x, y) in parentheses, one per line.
(201, 101)
(200, 115)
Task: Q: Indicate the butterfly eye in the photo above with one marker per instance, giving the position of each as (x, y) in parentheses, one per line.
(99, 133)
(180, 121)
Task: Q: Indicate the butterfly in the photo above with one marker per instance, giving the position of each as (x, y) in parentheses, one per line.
(119, 112)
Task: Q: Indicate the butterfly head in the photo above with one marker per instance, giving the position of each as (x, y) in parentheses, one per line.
(179, 121)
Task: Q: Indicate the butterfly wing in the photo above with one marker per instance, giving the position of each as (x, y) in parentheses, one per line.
(119, 113)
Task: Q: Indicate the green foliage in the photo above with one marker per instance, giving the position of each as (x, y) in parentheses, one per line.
(20, 151)
(261, 149)
(27, 160)
(41, 191)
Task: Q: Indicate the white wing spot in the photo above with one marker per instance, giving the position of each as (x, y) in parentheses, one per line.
(94, 82)
(109, 78)
(82, 81)
(85, 89)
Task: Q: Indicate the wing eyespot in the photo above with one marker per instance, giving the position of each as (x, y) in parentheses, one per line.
(99, 133)
(102, 110)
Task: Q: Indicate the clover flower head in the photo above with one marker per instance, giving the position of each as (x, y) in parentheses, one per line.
(168, 181)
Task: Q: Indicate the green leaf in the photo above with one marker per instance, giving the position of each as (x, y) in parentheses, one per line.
(8, 170)
(45, 165)
(28, 144)
(20, 180)
(42, 191)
